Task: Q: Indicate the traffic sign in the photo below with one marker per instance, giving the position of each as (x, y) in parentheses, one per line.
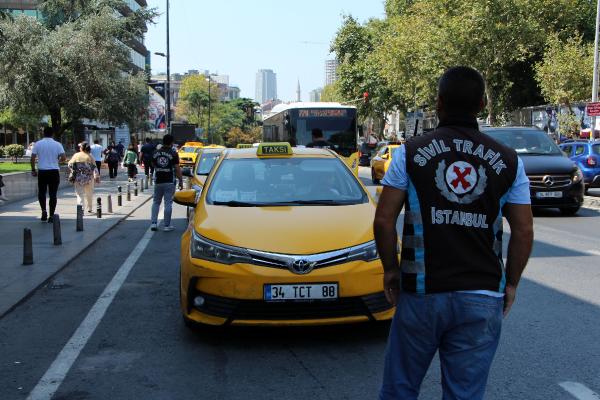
(593, 109)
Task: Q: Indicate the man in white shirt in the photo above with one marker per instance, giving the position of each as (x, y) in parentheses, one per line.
(96, 151)
(48, 153)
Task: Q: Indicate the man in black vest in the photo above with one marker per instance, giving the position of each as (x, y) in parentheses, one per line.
(451, 288)
(166, 169)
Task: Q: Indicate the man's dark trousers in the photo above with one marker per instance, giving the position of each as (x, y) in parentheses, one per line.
(98, 165)
(48, 181)
(463, 327)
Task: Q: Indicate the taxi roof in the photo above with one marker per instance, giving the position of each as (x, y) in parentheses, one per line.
(212, 149)
(297, 152)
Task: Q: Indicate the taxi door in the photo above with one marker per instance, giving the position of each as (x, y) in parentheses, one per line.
(378, 164)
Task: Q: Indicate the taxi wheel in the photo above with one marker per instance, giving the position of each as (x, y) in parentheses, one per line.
(373, 178)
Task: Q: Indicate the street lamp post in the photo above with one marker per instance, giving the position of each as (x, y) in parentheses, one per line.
(168, 96)
(208, 135)
(595, 80)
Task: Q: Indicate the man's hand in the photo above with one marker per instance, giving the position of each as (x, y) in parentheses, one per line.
(391, 285)
(510, 293)
(180, 186)
(34, 173)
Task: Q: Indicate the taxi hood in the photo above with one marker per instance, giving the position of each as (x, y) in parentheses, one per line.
(290, 230)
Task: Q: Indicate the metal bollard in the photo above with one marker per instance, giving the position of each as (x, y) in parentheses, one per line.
(120, 196)
(147, 180)
(99, 207)
(128, 192)
(109, 202)
(27, 247)
(79, 218)
(56, 230)
(135, 188)
(150, 180)
(142, 185)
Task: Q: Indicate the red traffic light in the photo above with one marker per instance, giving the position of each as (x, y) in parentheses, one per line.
(366, 97)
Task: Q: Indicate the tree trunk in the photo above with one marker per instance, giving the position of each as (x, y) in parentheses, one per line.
(56, 119)
(490, 105)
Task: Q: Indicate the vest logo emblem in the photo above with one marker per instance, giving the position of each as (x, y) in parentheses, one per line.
(461, 182)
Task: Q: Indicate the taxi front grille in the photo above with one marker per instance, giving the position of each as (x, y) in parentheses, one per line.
(549, 181)
(233, 309)
(283, 261)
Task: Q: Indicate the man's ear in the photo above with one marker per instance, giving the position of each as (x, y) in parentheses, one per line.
(439, 105)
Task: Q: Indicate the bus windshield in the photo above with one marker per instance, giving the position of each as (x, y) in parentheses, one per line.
(338, 126)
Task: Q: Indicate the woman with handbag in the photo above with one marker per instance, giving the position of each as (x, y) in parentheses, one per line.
(130, 161)
(111, 158)
(83, 176)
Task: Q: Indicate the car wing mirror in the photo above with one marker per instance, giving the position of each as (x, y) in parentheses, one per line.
(186, 197)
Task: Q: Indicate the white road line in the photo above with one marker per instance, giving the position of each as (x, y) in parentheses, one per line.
(579, 391)
(55, 375)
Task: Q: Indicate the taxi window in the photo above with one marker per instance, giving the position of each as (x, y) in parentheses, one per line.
(280, 182)
(190, 149)
(207, 160)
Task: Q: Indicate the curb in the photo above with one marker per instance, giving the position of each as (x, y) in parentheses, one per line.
(591, 202)
(66, 264)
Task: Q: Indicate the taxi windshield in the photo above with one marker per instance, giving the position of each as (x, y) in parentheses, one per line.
(207, 160)
(283, 182)
(190, 149)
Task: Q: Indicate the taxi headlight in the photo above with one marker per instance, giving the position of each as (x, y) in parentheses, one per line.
(364, 252)
(576, 175)
(212, 251)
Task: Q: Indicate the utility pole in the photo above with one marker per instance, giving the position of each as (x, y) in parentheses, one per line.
(208, 135)
(168, 94)
(595, 80)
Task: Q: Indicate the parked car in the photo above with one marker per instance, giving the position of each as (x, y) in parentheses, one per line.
(586, 155)
(555, 180)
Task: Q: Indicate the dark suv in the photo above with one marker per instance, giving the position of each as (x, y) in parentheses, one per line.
(587, 156)
(555, 181)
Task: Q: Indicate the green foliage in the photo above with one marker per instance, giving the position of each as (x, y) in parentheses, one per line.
(72, 67)
(2, 153)
(194, 99)
(332, 93)
(236, 136)
(15, 151)
(565, 73)
(569, 124)
(19, 120)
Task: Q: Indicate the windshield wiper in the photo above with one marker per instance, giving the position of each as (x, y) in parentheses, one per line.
(324, 202)
(235, 203)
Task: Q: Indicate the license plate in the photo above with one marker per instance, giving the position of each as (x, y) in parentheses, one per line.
(542, 195)
(311, 291)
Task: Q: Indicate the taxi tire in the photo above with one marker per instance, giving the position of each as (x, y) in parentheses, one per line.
(373, 179)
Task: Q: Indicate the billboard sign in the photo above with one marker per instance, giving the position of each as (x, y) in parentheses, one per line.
(593, 109)
(156, 107)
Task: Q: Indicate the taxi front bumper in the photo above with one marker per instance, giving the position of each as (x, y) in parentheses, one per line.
(233, 294)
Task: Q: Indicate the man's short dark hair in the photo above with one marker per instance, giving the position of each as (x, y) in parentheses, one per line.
(96, 141)
(148, 140)
(168, 140)
(461, 90)
(48, 131)
(317, 133)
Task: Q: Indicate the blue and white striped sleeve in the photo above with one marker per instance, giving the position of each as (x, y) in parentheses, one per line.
(396, 176)
(519, 191)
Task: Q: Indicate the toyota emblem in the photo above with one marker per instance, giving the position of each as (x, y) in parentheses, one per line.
(547, 180)
(302, 267)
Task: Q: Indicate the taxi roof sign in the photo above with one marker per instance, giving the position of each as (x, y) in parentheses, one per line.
(274, 149)
(243, 146)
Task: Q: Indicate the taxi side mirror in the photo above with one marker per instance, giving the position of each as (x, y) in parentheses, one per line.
(185, 197)
(187, 172)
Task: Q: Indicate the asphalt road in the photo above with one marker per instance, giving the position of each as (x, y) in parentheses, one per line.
(140, 348)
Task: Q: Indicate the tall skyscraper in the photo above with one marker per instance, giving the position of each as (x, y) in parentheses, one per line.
(298, 92)
(330, 71)
(266, 86)
(315, 95)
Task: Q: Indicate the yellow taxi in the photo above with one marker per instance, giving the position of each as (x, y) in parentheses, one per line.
(205, 162)
(381, 161)
(280, 236)
(188, 153)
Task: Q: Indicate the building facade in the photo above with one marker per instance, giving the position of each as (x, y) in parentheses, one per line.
(266, 86)
(315, 95)
(331, 71)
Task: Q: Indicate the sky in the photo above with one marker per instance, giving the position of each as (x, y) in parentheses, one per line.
(239, 37)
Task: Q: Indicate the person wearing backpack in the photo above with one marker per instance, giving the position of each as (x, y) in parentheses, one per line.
(130, 161)
(112, 159)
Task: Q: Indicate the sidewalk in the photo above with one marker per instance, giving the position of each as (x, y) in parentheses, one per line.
(17, 281)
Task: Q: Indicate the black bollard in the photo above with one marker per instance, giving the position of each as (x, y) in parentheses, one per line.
(79, 218)
(120, 197)
(128, 192)
(56, 230)
(142, 185)
(99, 207)
(135, 188)
(147, 179)
(27, 247)
(109, 202)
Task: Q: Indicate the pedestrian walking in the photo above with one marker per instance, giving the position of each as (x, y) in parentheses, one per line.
(48, 153)
(146, 156)
(83, 176)
(2, 195)
(130, 162)
(451, 288)
(120, 149)
(166, 169)
(96, 151)
(111, 158)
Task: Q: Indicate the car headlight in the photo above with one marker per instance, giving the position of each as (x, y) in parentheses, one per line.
(205, 249)
(364, 252)
(576, 175)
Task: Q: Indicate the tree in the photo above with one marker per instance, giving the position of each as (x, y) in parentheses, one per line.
(73, 67)
(15, 151)
(565, 73)
(331, 92)
(236, 136)
(194, 99)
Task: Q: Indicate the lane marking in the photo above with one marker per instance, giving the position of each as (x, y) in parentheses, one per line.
(55, 375)
(579, 391)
